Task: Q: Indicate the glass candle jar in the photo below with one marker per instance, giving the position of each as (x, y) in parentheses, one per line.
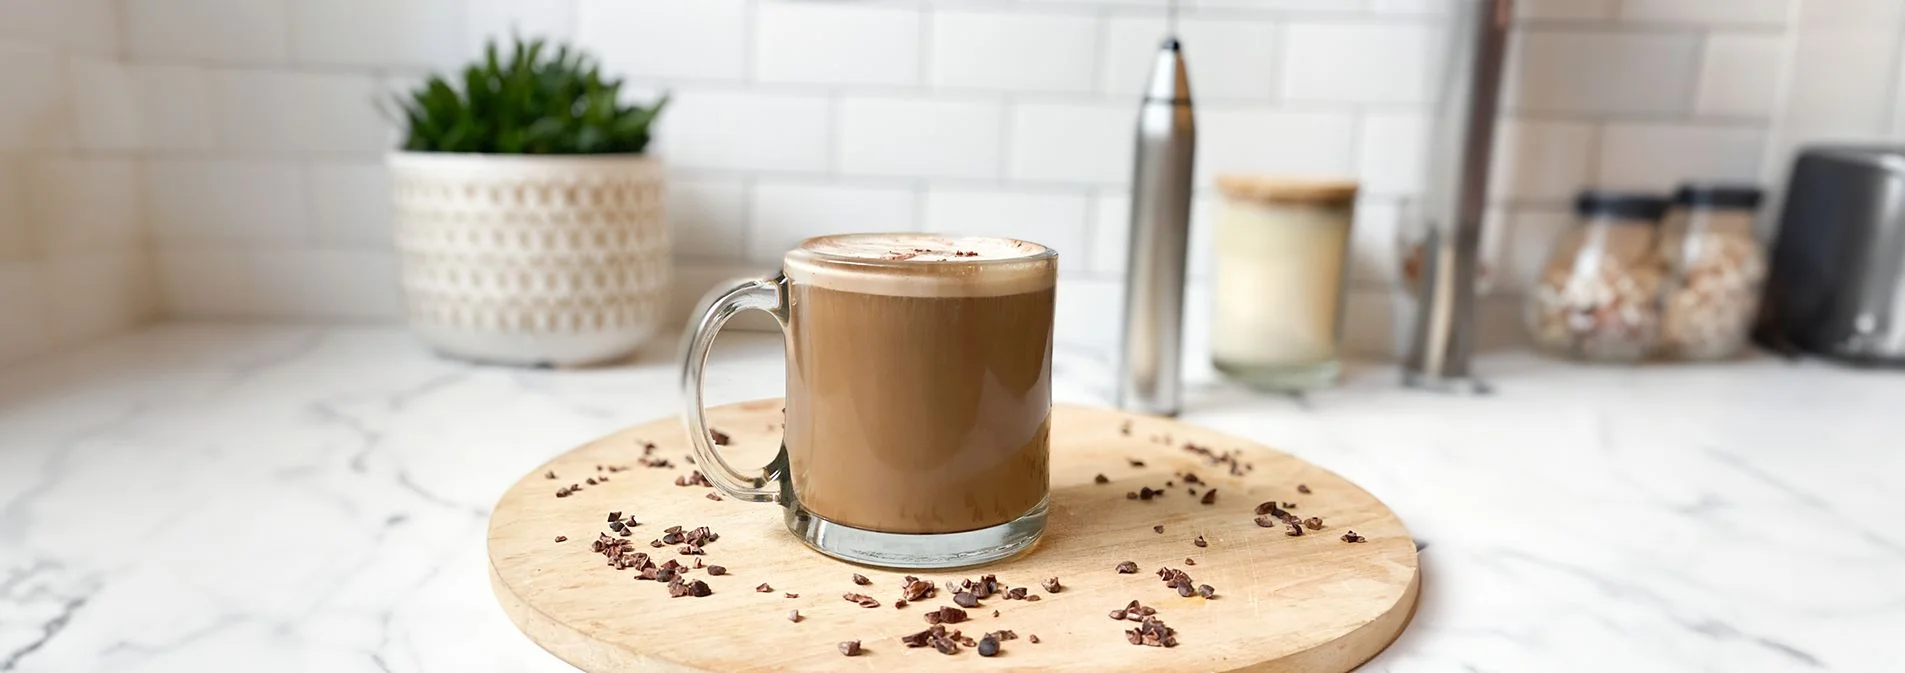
(1715, 269)
(1595, 298)
(1282, 256)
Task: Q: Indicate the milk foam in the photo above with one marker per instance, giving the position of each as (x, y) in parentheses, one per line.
(923, 265)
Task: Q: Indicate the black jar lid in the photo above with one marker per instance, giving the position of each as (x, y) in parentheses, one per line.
(1624, 205)
(1719, 195)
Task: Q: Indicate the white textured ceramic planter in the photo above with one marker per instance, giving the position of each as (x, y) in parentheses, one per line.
(532, 260)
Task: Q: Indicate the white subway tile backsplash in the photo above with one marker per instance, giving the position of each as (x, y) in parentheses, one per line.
(703, 39)
(96, 294)
(828, 43)
(1872, 15)
(32, 99)
(1392, 154)
(1016, 51)
(1375, 243)
(708, 217)
(1361, 62)
(920, 138)
(381, 33)
(1330, 6)
(1835, 85)
(105, 109)
(85, 205)
(1708, 12)
(1274, 141)
(350, 203)
(745, 131)
(1110, 244)
(1605, 72)
(1660, 156)
(1531, 236)
(1565, 9)
(258, 110)
(1739, 75)
(1228, 58)
(1540, 160)
(1071, 142)
(24, 295)
(1411, 6)
(16, 226)
(500, 20)
(224, 31)
(221, 282)
(1054, 219)
(90, 27)
(174, 106)
(781, 215)
(197, 200)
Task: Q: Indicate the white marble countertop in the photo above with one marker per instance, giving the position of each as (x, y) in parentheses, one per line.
(229, 498)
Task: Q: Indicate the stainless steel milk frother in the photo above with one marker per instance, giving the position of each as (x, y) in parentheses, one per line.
(1150, 368)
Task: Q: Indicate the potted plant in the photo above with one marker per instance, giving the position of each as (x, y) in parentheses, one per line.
(529, 223)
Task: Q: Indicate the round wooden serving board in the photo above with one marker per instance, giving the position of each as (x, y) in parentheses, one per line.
(1312, 603)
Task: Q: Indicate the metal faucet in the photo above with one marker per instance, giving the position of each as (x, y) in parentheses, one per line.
(1443, 339)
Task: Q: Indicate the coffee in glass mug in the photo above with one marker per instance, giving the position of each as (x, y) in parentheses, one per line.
(919, 396)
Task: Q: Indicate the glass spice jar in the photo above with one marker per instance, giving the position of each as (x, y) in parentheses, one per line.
(1595, 299)
(1715, 267)
(1282, 252)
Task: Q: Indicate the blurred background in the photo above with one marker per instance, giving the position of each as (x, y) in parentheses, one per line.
(223, 159)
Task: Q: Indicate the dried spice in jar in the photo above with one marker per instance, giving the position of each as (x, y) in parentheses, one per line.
(1596, 299)
(1715, 267)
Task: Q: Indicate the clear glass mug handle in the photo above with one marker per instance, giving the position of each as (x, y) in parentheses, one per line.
(719, 307)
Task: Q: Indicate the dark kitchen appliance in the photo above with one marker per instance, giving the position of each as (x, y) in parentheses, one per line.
(1837, 283)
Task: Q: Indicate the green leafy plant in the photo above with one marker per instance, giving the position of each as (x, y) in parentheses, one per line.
(529, 103)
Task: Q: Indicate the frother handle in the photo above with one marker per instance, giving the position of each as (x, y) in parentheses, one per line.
(718, 308)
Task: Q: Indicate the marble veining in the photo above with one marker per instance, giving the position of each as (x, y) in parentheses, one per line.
(251, 498)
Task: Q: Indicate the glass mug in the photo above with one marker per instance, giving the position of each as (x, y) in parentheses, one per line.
(919, 396)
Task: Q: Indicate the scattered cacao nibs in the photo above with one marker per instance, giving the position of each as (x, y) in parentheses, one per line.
(1192, 490)
(988, 646)
(624, 532)
(590, 481)
(917, 589)
(1125, 428)
(763, 588)
(671, 529)
(1170, 484)
(1101, 479)
(697, 588)
(720, 438)
(1353, 537)
(1135, 462)
(864, 600)
(1296, 530)
(1051, 585)
(1117, 615)
(617, 526)
(690, 550)
(1159, 529)
(697, 561)
(1266, 507)
(562, 538)
(901, 603)
(1191, 478)
(850, 648)
(995, 613)
(791, 595)
(1289, 505)
(1200, 542)
(1034, 598)
(1206, 591)
(1003, 635)
(615, 516)
(1127, 568)
(1015, 594)
(714, 497)
(965, 599)
(1185, 590)
(1148, 493)
(1190, 561)
(1210, 497)
(1302, 488)
(1032, 637)
(549, 475)
(946, 615)
(793, 616)
(563, 492)
(861, 579)
(694, 478)
(657, 544)
(1129, 495)
(966, 253)
(715, 570)
(665, 575)
(1313, 523)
